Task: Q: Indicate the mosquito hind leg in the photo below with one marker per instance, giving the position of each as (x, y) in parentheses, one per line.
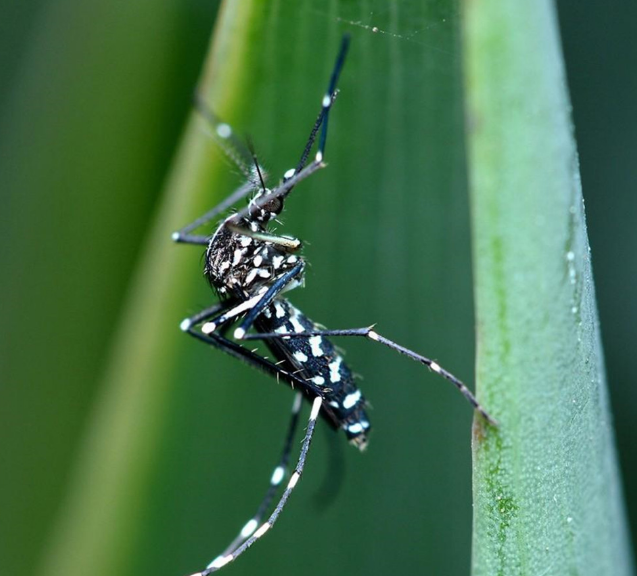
(371, 334)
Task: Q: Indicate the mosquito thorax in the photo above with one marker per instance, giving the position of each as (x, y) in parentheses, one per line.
(242, 262)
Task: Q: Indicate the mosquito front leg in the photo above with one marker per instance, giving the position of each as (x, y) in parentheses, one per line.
(184, 235)
(254, 305)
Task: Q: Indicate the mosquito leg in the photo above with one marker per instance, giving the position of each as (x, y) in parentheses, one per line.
(255, 305)
(222, 560)
(371, 334)
(279, 473)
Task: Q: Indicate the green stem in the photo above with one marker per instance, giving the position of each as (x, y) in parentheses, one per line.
(546, 483)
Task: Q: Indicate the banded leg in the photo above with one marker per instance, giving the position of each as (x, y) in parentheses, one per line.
(371, 334)
(224, 559)
(326, 105)
(250, 358)
(293, 176)
(253, 306)
(279, 473)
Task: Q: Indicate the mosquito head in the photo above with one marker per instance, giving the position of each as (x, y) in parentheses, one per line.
(265, 209)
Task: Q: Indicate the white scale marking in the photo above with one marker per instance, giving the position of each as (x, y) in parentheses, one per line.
(249, 528)
(316, 408)
(300, 356)
(277, 476)
(318, 380)
(210, 327)
(356, 428)
(335, 370)
(351, 399)
(258, 260)
(220, 561)
(237, 257)
(277, 261)
(293, 480)
(298, 327)
(315, 343)
(251, 276)
(264, 273)
(245, 241)
(224, 266)
(261, 531)
(280, 311)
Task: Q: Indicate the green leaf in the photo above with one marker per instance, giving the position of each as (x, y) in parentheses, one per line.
(546, 483)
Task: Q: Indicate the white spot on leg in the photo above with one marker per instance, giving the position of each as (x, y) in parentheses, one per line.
(249, 528)
(316, 408)
(326, 101)
(277, 476)
(371, 334)
(208, 327)
(239, 333)
(435, 367)
(261, 531)
(293, 480)
(300, 356)
(289, 173)
(185, 325)
(315, 343)
(220, 561)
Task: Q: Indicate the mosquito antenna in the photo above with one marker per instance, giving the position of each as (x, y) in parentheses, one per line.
(253, 153)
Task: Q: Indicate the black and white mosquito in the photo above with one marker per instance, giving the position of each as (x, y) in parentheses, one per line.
(250, 268)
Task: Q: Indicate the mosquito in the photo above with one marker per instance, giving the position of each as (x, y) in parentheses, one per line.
(251, 268)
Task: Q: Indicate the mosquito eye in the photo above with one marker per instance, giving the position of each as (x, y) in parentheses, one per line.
(275, 206)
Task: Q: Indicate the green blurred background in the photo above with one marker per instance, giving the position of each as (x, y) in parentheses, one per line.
(93, 99)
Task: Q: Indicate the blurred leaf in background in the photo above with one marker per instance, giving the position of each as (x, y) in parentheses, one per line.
(94, 97)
